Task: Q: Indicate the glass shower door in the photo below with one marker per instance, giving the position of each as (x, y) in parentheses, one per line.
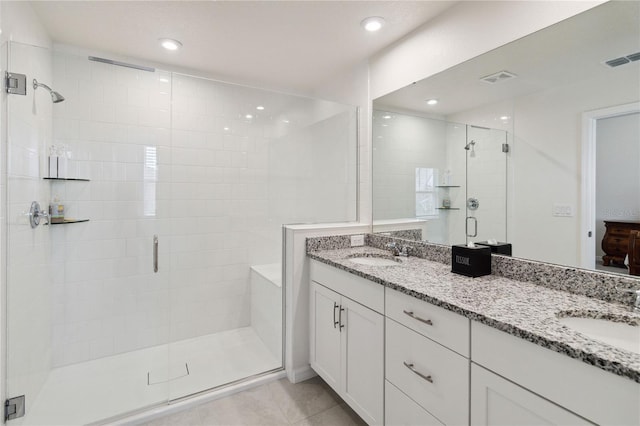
(225, 279)
(245, 162)
(29, 252)
(87, 315)
(486, 203)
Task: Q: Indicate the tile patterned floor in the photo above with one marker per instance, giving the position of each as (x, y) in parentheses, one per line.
(310, 403)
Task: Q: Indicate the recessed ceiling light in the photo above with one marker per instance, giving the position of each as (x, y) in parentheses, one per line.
(170, 44)
(386, 117)
(504, 117)
(432, 102)
(226, 129)
(372, 23)
(248, 116)
(285, 121)
(260, 108)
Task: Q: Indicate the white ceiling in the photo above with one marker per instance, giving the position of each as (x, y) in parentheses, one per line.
(293, 45)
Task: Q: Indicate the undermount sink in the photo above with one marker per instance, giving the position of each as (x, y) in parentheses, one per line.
(374, 260)
(618, 332)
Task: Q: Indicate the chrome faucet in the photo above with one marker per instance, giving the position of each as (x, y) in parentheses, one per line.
(636, 304)
(398, 249)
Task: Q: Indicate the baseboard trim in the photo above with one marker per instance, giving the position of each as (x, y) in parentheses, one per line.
(301, 374)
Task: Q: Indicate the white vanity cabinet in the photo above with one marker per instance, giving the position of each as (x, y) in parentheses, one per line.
(399, 360)
(422, 365)
(543, 384)
(400, 410)
(496, 401)
(347, 338)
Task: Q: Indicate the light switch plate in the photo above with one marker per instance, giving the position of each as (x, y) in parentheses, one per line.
(357, 240)
(563, 210)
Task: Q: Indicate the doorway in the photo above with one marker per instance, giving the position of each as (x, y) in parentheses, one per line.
(610, 178)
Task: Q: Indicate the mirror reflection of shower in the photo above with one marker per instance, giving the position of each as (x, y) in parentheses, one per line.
(55, 96)
(471, 147)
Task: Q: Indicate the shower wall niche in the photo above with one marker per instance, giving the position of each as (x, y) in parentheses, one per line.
(213, 170)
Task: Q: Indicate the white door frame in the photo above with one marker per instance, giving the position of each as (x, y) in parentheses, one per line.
(588, 210)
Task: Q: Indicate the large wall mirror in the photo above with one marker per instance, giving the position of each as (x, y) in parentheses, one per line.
(536, 143)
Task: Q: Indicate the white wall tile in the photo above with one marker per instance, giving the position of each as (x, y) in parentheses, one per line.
(211, 205)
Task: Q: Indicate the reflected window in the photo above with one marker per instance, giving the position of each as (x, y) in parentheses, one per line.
(150, 177)
(426, 196)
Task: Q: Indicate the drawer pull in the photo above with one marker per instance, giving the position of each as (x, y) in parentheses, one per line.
(413, 369)
(412, 315)
(335, 306)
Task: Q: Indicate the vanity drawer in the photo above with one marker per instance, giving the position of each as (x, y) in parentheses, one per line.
(400, 410)
(430, 374)
(445, 327)
(356, 288)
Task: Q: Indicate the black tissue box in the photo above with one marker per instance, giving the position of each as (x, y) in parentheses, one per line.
(471, 261)
(498, 248)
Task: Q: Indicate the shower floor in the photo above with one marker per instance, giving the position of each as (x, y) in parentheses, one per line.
(91, 391)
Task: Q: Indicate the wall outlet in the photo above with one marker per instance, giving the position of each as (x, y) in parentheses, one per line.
(563, 210)
(357, 240)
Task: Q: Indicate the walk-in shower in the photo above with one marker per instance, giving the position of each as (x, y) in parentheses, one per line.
(164, 278)
(422, 177)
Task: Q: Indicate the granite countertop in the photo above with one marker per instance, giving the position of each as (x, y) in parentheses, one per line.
(523, 309)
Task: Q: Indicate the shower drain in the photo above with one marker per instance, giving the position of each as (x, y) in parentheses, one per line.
(164, 375)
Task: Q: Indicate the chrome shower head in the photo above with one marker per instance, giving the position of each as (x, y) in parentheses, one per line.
(55, 96)
(471, 147)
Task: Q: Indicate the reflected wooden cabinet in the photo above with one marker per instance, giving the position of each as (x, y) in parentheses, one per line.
(634, 253)
(615, 242)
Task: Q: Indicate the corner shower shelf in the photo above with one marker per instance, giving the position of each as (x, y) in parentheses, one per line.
(72, 179)
(68, 221)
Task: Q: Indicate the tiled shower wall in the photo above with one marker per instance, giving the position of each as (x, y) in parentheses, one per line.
(401, 144)
(196, 163)
(456, 162)
(116, 123)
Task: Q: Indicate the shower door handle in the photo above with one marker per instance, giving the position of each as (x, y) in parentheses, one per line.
(475, 226)
(155, 253)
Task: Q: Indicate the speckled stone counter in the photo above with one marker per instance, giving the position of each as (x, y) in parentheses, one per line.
(524, 309)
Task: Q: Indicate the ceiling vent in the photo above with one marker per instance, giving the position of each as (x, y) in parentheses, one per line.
(623, 60)
(634, 57)
(498, 77)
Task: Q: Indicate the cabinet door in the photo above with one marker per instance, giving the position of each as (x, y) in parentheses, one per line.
(325, 334)
(496, 401)
(363, 361)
